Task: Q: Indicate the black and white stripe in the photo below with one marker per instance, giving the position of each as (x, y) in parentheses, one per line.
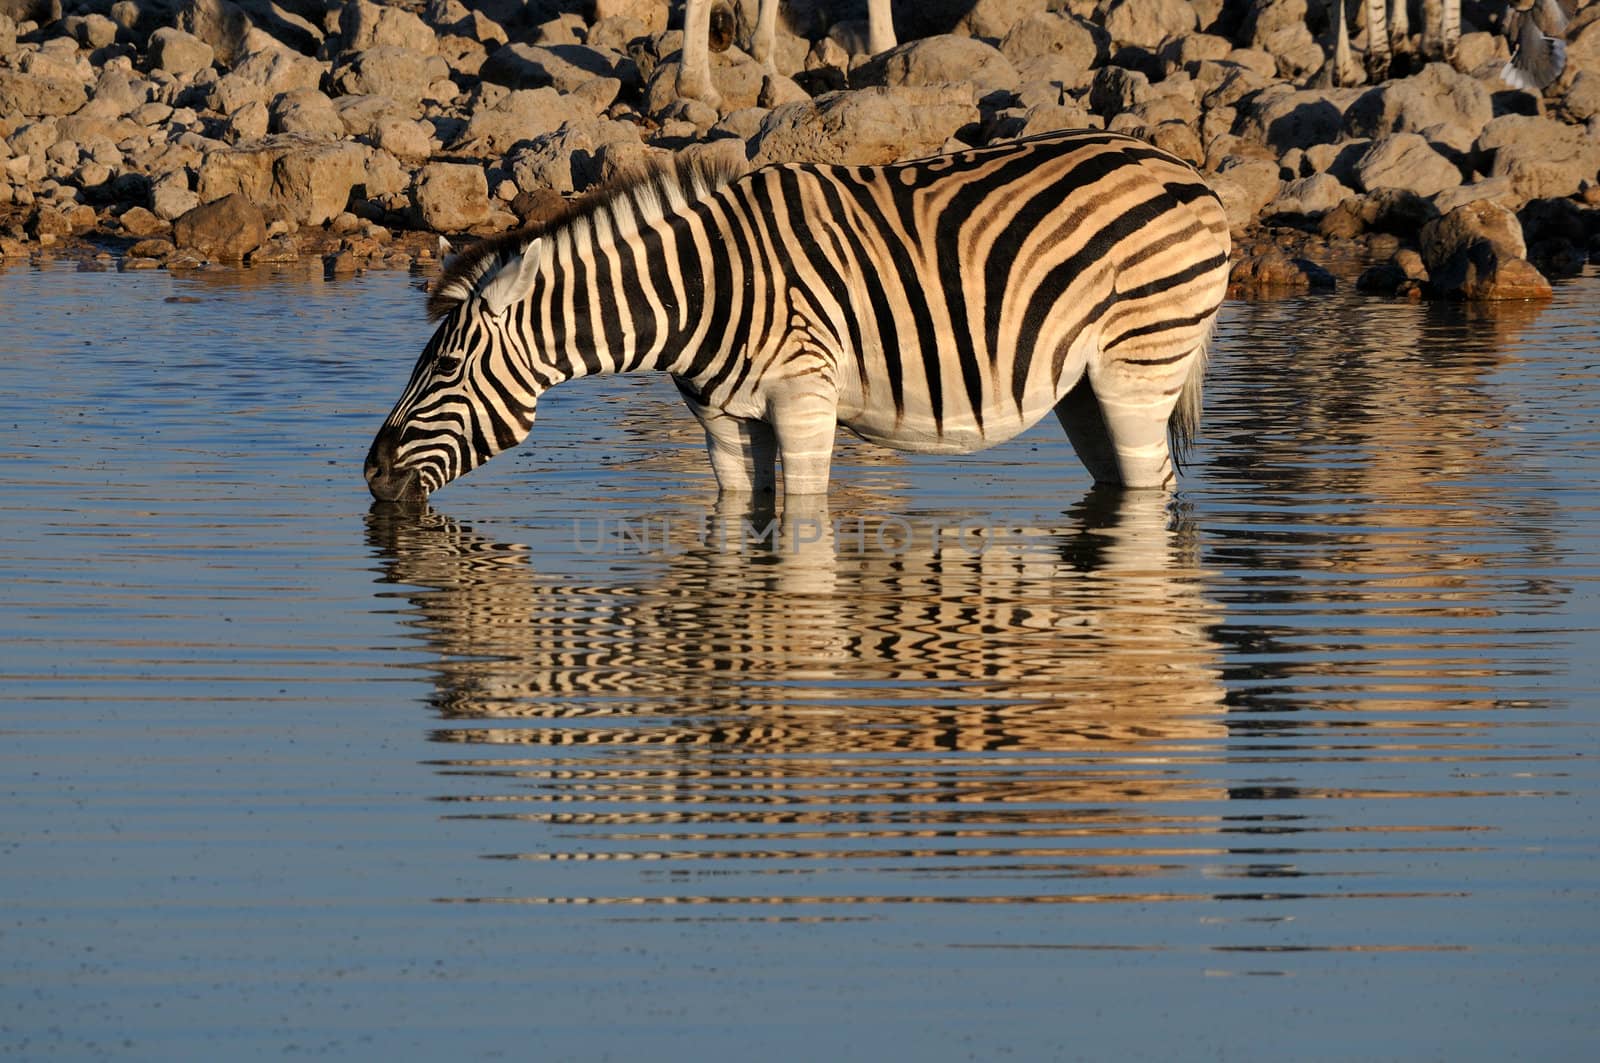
(941, 305)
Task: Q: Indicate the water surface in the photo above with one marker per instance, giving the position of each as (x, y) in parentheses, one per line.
(571, 764)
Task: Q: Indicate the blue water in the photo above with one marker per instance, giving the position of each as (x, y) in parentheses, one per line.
(1301, 765)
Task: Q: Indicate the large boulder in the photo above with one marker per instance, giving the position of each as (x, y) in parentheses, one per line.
(399, 73)
(308, 112)
(308, 182)
(570, 159)
(1282, 117)
(36, 94)
(519, 115)
(940, 60)
(1404, 160)
(178, 53)
(1054, 33)
(1439, 95)
(451, 197)
(364, 25)
(865, 128)
(564, 66)
(1477, 252)
(1542, 157)
(1148, 24)
(261, 75)
(228, 228)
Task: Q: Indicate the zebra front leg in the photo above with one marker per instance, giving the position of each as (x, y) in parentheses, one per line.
(743, 454)
(805, 418)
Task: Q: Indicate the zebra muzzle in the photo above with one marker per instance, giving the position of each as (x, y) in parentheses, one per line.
(386, 482)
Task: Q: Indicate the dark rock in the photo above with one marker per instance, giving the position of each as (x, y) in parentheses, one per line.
(1274, 272)
(228, 229)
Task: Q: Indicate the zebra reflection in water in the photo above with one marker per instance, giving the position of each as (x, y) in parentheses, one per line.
(1093, 635)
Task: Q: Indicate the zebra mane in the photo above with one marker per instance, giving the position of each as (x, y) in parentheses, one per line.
(651, 191)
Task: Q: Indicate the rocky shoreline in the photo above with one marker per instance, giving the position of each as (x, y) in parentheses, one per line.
(181, 134)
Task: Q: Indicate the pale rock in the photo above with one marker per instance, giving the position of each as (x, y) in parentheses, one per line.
(520, 115)
(364, 25)
(941, 60)
(1310, 196)
(308, 112)
(451, 197)
(1051, 33)
(1404, 160)
(867, 127)
(1543, 158)
(1148, 24)
(1437, 95)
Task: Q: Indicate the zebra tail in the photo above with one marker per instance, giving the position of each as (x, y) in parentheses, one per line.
(1184, 424)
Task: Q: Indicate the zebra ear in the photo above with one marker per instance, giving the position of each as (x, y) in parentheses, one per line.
(512, 281)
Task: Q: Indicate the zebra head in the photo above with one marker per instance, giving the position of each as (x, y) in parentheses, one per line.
(473, 391)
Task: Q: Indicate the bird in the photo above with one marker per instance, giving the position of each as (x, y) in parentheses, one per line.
(1537, 30)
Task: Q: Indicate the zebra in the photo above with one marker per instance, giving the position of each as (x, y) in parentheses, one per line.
(941, 305)
(708, 27)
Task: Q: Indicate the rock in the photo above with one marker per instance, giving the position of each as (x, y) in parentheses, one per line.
(398, 73)
(564, 66)
(1404, 160)
(361, 114)
(170, 196)
(228, 228)
(1283, 118)
(1175, 138)
(307, 112)
(1493, 189)
(1312, 196)
(220, 24)
(520, 115)
(865, 128)
(1277, 273)
(1582, 100)
(1245, 186)
(404, 138)
(1115, 90)
(153, 248)
(35, 95)
(568, 160)
(1439, 94)
(651, 13)
(310, 182)
(1541, 156)
(248, 122)
(1080, 43)
(1482, 222)
(1148, 24)
(940, 60)
(140, 222)
(451, 197)
(180, 53)
(1294, 50)
(736, 78)
(993, 19)
(364, 25)
(260, 76)
(1477, 252)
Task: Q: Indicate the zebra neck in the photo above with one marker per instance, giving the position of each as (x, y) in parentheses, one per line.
(621, 295)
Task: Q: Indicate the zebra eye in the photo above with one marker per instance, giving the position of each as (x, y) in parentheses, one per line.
(447, 363)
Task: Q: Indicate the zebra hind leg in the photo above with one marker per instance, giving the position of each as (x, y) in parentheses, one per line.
(1085, 425)
(1118, 416)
